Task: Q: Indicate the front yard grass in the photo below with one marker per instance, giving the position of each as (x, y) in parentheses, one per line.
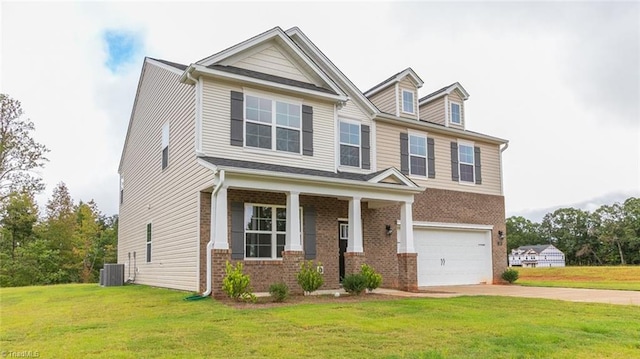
(620, 277)
(136, 321)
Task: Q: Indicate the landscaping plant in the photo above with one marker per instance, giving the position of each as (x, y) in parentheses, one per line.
(279, 292)
(236, 284)
(510, 275)
(309, 278)
(354, 283)
(373, 278)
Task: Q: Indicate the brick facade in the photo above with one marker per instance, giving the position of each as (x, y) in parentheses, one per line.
(380, 248)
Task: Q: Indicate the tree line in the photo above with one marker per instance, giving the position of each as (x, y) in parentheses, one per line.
(70, 242)
(610, 235)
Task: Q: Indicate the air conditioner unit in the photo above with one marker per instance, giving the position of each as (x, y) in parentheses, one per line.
(112, 275)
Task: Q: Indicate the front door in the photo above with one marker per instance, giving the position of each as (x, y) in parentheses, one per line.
(343, 241)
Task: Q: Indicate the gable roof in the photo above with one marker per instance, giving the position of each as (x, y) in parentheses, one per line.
(536, 248)
(278, 35)
(395, 78)
(172, 64)
(444, 91)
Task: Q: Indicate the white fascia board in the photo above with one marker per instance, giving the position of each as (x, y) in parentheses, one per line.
(448, 91)
(200, 70)
(407, 72)
(267, 35)
(133, 109)
(427, 126)
(207, 164)
(332, 69)
(397, 174)
(164, 66)
(452, 226)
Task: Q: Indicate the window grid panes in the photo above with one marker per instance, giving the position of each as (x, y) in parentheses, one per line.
(267, 119)
(407, 101)
(265, 231)
(455, 113)
(418, 155)
(349, 144)
(466, 159)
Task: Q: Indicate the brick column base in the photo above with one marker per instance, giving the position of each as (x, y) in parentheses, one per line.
(291, 261)
(352, 262)
(219, 258)
(408, 272)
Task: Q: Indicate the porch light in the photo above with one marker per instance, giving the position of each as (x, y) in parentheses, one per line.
(500, 237)
(388, 229)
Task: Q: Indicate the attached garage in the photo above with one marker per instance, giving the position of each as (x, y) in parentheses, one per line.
(453, 254)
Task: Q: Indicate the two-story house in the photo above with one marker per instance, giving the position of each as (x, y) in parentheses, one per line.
(541, 255)
(266, 153)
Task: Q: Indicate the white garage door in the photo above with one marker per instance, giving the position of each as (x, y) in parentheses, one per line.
(453, 256)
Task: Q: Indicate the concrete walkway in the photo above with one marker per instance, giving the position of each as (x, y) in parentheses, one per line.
(622, 297)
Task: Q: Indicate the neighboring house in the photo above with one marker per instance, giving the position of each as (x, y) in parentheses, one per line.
(267, 154)
(541, 255)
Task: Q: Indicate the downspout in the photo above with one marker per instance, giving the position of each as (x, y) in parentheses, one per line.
(191, 78)
(211, 237)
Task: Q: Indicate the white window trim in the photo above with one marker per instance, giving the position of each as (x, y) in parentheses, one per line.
(359, 124)
(165, 143)
(272, 124)
(274, 233)
(472, 145)
(451, 103)
(426, 157)
(413, 102)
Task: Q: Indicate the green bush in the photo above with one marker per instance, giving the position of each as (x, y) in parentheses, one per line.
(373, 279)
(279, 292)
(354, 283)
(510, 275)
(309, 278)
(236, 284)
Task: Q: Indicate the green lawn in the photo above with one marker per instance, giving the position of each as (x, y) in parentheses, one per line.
(620, 277)
(143, 322)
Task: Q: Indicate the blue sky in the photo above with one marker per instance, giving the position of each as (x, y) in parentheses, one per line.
(557, 79)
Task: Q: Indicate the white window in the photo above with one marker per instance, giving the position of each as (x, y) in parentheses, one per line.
(407, 102)
(349, 144)
(267, 119)
(148, 242)
(455, 113)
(165, 145)
(121, 189)
(466, 163)
(265, 230)
(418, 155)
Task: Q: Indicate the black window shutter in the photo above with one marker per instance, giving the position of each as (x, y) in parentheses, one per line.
(404, 153)
(309, 232)
(366, 146)
(431, 158)
(307, 130)
(237, 230)
(454, 162)
(476, 160)
(237, 120)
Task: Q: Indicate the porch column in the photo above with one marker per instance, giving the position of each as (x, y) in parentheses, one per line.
(219, 230)
(293, 242)
(406, 229)
(355, 226)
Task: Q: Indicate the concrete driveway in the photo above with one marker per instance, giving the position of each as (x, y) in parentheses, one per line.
(622, 297)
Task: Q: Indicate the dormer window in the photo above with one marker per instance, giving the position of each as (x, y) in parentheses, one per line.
(455, 113)
(408, 102)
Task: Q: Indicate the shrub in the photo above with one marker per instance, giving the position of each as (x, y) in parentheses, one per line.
(510, 275)
(354, 283)
(373, 279)
(279, 292)
(237, 284)
(309, 278)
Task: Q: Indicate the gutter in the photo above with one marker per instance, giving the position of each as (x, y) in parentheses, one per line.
(211, 236)
(502, 149)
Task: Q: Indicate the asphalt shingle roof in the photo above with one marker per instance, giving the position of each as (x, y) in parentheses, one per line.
(172, 64)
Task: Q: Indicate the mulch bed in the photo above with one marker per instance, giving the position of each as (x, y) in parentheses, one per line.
(267, 302)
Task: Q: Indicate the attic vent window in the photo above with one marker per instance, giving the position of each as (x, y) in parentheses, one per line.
(407, 102)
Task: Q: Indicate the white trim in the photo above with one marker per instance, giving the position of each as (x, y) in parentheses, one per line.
(395, 173)
(397, 100)
(359, 124)
(373, 146)
(465, 94)
(406, 72)
(451, 103)
(274, 230)
(446, 110)
(459, 226)
(148, 242)
(426, 156)
(472, 145)
(164, 66)
(413, 102)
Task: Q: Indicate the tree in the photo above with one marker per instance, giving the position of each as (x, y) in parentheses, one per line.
(522, 232)
(572, 231)
(18, 216)
(59, 229)
(86, 238)
(20, 154)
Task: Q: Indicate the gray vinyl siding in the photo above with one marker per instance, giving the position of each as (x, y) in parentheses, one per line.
(169, 198)
(433, 111)
(385, 100)
(388, 155)
(274, 62)
(216, 130)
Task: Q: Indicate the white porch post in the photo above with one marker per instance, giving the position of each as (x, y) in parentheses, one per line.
(355, 226)
(406, 229)
(293, 242)
(218, 230)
